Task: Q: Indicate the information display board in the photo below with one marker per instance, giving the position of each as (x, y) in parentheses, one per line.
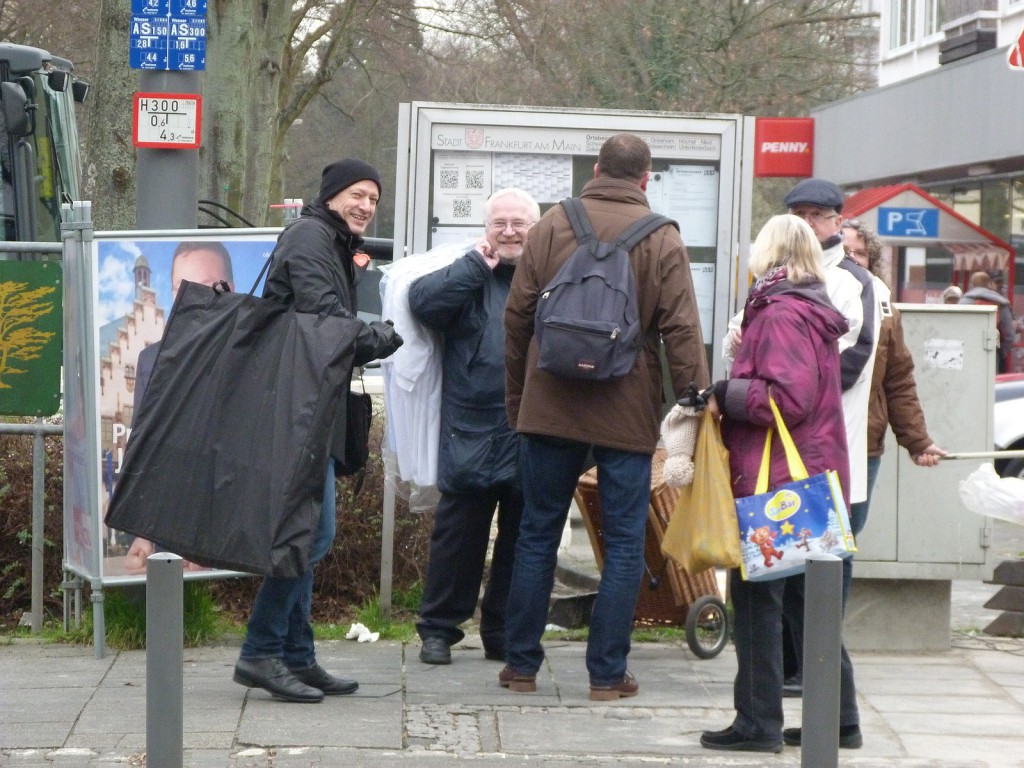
(452, 157)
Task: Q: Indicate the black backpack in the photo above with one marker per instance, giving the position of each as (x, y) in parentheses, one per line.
(587, 322)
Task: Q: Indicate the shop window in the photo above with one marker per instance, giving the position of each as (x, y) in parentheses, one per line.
(1017, 208)
(967, 202)
(995, 208)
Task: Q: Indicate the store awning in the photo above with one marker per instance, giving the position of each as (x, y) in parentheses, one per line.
(978, 257)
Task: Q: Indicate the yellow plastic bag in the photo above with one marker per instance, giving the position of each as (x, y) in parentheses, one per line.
(702, 532)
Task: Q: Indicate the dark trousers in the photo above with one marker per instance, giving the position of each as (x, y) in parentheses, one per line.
(793, 608)
(757, 635)
(757, 631)
(458, 549)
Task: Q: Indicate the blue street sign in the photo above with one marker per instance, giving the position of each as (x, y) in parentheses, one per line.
(187, 48)
(147, 48)
(176, 43)
(151, 7)
(188, 7)
(908, 222)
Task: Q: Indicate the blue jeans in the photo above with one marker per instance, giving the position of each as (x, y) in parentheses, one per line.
(279, 623)
(551, 470)
(858, 519)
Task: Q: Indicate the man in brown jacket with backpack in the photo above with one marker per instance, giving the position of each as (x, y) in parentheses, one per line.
(562, 419)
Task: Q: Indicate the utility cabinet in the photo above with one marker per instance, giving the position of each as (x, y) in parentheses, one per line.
(919, 537)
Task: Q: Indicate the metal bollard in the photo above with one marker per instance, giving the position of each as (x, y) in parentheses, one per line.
(823, 625)
(165, 732)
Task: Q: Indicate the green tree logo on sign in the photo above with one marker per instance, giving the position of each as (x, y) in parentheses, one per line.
(20, 340)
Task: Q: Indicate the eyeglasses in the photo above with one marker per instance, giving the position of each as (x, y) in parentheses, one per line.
(499, 225)
(857, 254)
(813, 217)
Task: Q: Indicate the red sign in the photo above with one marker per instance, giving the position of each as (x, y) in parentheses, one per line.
(1015, 56)
(167, 120)
(784, 146)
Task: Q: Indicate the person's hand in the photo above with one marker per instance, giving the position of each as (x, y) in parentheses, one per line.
(483, 247)
(135, 560)
(712, 406)
(929, 457)
(386, 338)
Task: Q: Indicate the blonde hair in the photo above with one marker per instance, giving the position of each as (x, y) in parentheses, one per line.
(787, 240)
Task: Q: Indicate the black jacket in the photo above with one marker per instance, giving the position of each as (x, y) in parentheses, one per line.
(466, 303)
(313, 270)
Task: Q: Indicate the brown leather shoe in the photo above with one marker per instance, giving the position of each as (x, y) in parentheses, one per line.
(625, 688)
(517, 681)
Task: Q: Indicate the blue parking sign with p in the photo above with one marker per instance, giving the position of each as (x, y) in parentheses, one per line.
(908, 222)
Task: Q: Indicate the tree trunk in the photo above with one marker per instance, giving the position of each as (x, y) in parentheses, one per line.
(109, 158)
(240, 103)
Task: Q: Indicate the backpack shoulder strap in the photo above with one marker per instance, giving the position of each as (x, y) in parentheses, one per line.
(641, 228)
(579, 220)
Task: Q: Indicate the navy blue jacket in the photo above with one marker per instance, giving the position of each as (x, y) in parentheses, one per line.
(465, 303)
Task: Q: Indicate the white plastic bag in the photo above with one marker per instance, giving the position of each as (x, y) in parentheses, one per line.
(986, 493)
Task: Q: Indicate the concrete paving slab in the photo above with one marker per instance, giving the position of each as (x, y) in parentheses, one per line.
(953, 751)
(904, 704)
(338, 721)
(28, 735)
(49, 705)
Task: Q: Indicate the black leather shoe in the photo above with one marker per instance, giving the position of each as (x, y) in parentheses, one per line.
(850, 737)
(435, 650)
(317, 677)
(731, 740)
(273, 676)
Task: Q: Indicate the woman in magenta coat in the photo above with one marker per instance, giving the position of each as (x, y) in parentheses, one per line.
(789, 350)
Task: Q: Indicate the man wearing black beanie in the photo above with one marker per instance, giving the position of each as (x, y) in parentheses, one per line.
(316, 265)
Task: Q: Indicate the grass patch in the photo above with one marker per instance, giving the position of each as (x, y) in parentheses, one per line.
(124, 616)
(674, 635)
(400, 625)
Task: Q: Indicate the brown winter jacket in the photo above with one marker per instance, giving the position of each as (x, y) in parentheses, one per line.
(894, 393)
(624, 413)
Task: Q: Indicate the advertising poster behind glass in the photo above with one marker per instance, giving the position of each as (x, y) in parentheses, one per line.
(134, 297)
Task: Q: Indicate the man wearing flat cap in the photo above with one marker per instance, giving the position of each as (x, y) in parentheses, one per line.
(820, 204)
(315, 269)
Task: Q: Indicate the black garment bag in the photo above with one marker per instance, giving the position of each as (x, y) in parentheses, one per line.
(226, 462)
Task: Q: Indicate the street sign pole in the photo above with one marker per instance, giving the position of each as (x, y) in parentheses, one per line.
(168, 47)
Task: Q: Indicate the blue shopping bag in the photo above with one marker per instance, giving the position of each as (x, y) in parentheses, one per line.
(781, 527)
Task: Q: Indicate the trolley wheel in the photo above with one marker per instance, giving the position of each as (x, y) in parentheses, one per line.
(707, 627)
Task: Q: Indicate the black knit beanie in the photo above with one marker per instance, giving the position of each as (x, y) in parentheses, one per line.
(344, 173)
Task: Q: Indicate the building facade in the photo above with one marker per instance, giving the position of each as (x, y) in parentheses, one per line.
(948, 117)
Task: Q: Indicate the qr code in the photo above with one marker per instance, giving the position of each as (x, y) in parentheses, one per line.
(474, 179)
(462, 208)
(449, 178)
